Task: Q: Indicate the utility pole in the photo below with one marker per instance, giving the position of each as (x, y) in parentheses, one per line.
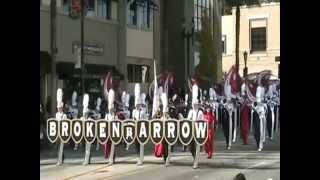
(82, 48)
(53, 46)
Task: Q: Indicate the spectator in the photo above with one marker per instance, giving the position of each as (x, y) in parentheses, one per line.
(240, 176)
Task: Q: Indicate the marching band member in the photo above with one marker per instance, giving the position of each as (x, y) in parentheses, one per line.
(228, 116)
(109, 147)
(125, 98)
(209, 117)
(74, 112)
(60, 115)
(245, 114)
(85, 117)
(215, 104)
(139, 113)
(272, 102)
(97, 116)
(165, 115)
(194, 114)
(259, 117)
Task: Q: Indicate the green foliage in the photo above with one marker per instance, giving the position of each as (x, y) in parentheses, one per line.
(207, 67)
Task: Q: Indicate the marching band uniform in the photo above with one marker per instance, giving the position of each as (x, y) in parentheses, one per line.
(245, 115)
(210, 116)
(271, 114)
(194, 114)
(259, 118)
(139, 113)
(109, 147)
(97, 116)
(228, 123)
(161, 150)
(74, 112)
(60, 115)
(85, 117)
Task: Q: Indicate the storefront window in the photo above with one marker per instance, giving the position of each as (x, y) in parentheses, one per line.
(138, 73)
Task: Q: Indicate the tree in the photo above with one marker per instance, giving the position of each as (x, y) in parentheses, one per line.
(237, 4)
(207, 67)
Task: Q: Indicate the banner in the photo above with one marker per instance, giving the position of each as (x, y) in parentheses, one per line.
(170, 130)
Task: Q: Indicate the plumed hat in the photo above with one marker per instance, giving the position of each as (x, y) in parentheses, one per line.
(59, 98)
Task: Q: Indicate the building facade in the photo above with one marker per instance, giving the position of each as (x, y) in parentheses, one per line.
(124, 36)
(179, 32)
(259, 37)
(118, 36)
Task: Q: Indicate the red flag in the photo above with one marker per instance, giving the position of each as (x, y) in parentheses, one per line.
(234, 79)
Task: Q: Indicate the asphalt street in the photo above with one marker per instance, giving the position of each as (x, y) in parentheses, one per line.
(225, 164)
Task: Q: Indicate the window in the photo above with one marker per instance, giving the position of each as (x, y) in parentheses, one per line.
(66, 5)
(258, 35)
(200, 6)
(91, 8)
(224, 39)
(138, 73)
(258, 39)
(104, 9)
(141, 11)
(133, 13)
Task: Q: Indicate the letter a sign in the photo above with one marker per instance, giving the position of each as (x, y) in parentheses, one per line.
(142, 131)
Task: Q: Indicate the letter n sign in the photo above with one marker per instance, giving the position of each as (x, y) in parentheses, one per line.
(115, 131)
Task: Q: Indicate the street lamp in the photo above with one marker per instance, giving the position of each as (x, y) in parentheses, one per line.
(245, 70)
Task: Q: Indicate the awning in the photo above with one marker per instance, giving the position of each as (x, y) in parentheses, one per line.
(66, 70)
